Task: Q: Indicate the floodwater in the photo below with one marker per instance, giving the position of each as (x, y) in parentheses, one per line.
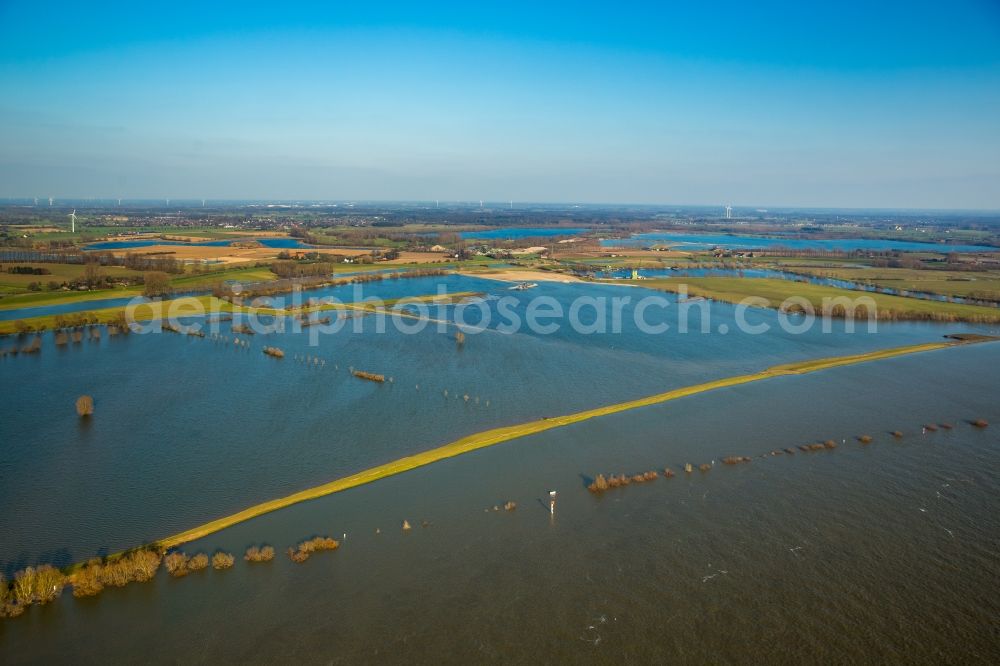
(785, 275)
(266, 242)
(857, 554)
(690, 241)
(67, 308)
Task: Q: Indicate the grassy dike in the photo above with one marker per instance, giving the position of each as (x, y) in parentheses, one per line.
(773, 292)
(179, 307)
(498, 435)
(209, 305)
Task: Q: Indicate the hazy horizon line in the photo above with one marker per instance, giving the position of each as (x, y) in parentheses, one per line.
(188, 201)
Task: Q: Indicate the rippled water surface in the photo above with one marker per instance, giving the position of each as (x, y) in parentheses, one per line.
(266, 242)
(857, 554)
(689, 241)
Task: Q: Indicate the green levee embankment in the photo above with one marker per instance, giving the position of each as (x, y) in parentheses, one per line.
(180, 307)
(497, 435)
(199, 305)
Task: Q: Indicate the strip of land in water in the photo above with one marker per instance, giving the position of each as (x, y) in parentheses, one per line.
(775, 292)
(187, 306)
(498, 435)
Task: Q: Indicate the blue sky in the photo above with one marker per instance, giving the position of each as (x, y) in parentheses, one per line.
(757, 103)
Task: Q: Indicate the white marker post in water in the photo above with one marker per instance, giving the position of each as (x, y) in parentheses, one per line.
(552, 502)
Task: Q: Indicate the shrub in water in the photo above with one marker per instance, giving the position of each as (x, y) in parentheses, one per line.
(84, 405)
(87, 581)
(222, 560)
(307, 548)
(600, 484)
(262, 554)
(40, 585)
(370, 376)
(197, 562)
(176, 563)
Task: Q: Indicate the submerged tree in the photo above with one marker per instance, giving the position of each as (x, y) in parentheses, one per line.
(176, 563)
(222, 560)
(197, 562)
(262, 554)
(40, 585)
(84, 405)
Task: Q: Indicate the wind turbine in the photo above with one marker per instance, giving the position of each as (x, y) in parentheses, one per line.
(72, 219)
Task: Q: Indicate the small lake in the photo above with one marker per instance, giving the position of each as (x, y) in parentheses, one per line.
(266, 242)
(515, 233)
(685, 241)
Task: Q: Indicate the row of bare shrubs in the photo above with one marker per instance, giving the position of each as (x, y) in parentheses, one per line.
(828, 444)
(137, 566)
(42, 584)
(862, 312)
(306, 322)
(32, 347)
(314, 545)
(76, 322)
(61, 339)
(32, 585)
(182, 330)
(602, 483)
(259, 554)
(179, 564)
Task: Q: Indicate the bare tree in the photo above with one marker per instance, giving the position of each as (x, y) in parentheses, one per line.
(156, 283)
